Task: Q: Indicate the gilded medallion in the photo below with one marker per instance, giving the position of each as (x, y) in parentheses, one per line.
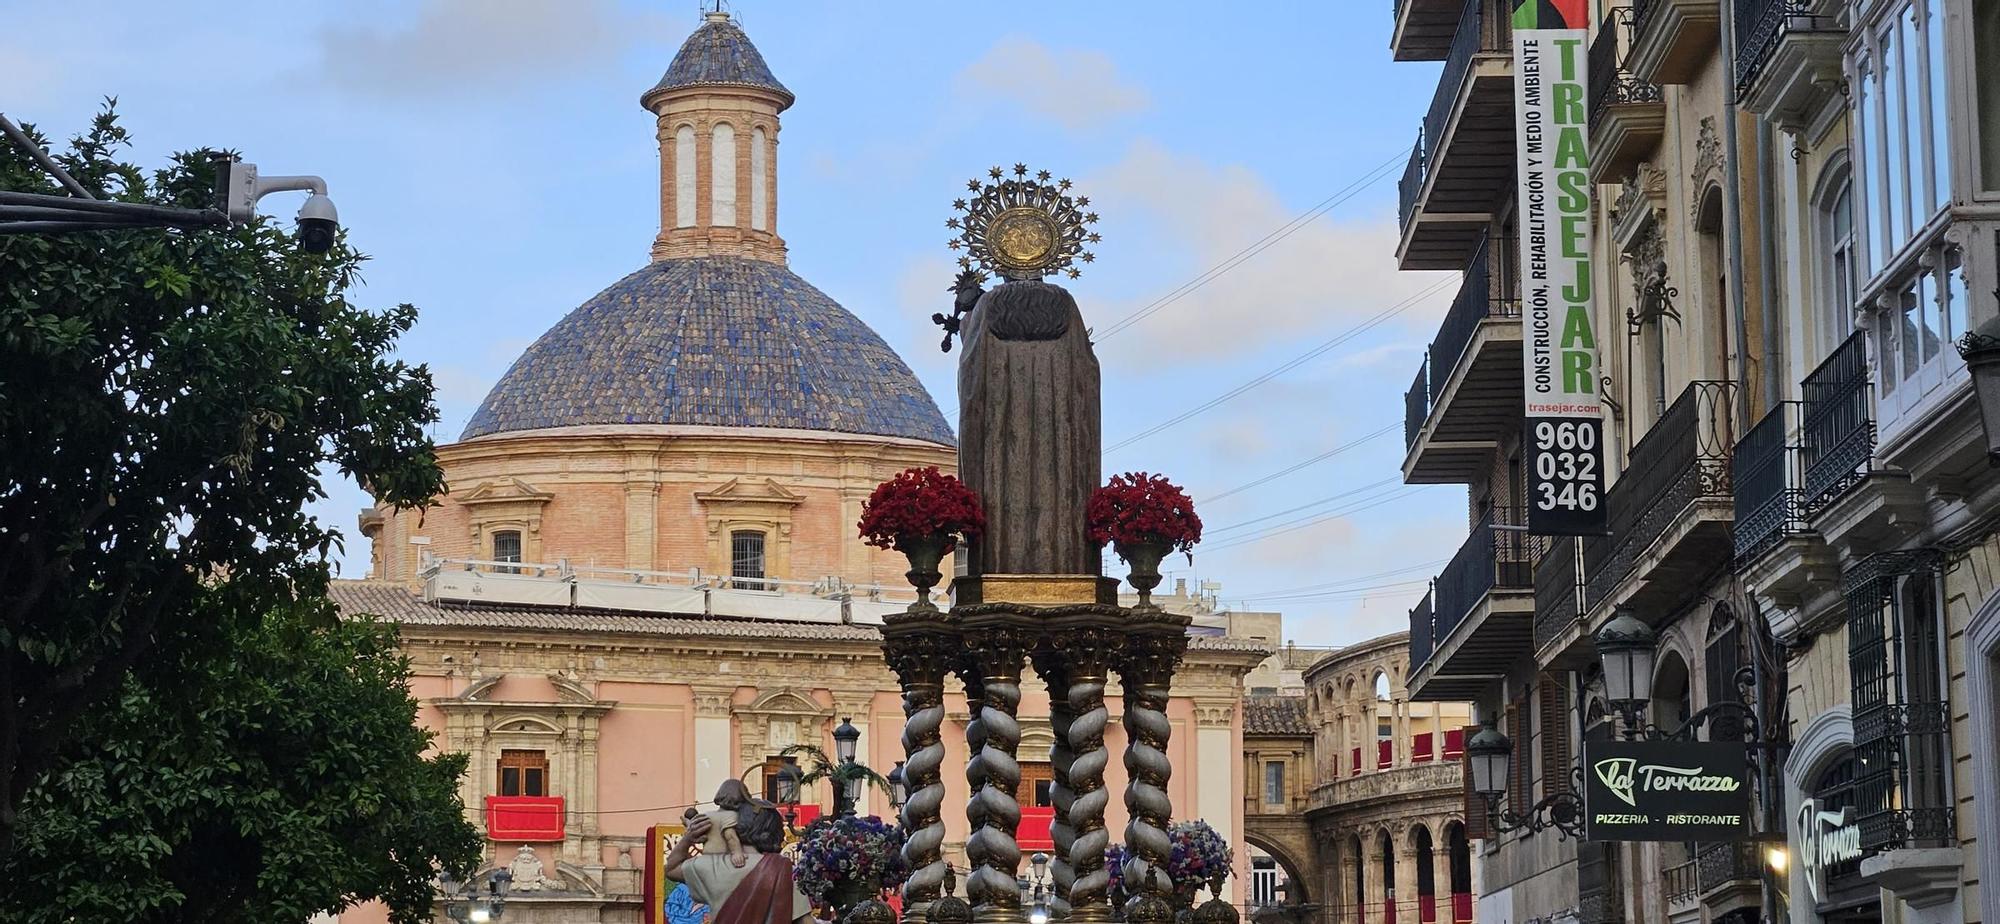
(1023, 227)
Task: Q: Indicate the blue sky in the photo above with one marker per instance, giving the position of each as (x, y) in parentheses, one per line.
(492, 157)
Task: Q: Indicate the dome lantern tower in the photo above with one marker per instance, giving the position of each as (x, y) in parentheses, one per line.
(718, 107)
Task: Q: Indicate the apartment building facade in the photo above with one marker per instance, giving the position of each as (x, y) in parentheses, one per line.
(1793, 220)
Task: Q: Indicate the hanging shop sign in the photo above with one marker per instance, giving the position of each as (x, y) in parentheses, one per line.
(1564, 423)
(1824, 839)
(1666, 791)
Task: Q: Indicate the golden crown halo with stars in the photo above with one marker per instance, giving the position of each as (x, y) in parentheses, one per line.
(1023, 227)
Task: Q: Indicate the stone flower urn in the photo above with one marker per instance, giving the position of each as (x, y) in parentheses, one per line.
(1144, 557)
(924, 553)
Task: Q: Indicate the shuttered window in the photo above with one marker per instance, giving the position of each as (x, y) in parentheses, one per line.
(1555, 734)
(524, 773)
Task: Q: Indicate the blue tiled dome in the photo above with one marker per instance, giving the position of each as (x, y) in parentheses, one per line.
(712, 341)
(719, 54)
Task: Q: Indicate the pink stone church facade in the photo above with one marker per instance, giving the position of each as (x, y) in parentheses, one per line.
(645, 580)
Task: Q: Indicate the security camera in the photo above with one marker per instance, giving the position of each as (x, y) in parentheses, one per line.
(317, 224)
(240, 187)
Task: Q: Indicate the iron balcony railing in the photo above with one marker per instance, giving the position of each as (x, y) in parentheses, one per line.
(1411, 185)
(1719, 865)
(1417, 403)
(1473, 304)
(1761, 26)
(1610, 84)
(1465, 42)
(1679, 882)
(1557, 601)
(1490, 558)
(1599, 900)
(1682, 460)
(1837, 427)
(1764, 470)
(1902, 718)
(1421, 642)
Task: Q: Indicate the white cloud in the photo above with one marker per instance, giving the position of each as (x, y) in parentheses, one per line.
(459, 45)
(1075, 87)
(1318, 280)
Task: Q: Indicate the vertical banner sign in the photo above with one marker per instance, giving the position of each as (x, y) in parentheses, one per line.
(1564, 425)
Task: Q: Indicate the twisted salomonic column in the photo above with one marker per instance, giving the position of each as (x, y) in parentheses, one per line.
(1050, 663)
(922, 660)
(1146, 671)
(975, 772)
(995, 883)
(1088, 652)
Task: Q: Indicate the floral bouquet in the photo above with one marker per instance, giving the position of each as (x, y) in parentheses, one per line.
(920, 503)
(1139, 508)
(860, 851)
(1199, 855)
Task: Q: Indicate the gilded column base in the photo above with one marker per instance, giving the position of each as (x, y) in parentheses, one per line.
(1094, 913)
(1036, 589)
(1000, 914)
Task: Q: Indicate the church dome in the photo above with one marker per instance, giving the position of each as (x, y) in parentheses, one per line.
(718, 54)
(721, 341)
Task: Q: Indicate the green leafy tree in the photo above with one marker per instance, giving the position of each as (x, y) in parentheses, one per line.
(167, 402)
(275, 776)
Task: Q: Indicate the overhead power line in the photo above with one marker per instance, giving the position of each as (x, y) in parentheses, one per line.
(1305, 506)
(1337, 450)
(1314, 521)
(1373, 176)
(1370, 323)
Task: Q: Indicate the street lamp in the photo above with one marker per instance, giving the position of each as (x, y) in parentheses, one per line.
(846, 740)
(899, 790)
(1491, 755)
(1625, 646)
(464, 904)
(788, 790)
(1039, 910)
(1981, 351)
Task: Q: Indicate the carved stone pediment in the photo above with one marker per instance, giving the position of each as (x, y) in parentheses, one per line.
(744, 494)
(504, 491)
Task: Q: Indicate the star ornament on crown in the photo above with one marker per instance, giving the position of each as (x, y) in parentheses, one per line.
(1022, 226)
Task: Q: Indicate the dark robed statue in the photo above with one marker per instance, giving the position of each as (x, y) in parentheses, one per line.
(1029, 429)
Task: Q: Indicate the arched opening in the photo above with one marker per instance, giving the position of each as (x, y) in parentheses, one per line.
(1388, 859)
(760, 197)
(1714, 284)
(684, 185)
(1673, 700)
(1461, 873)
(1723, 658)
(1385, 723)
(722, 175)
(1420, 837)
(1838, 254)
(1360, 878)
(1277, 877)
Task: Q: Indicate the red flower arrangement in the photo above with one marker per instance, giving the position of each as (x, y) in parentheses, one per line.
(919, 503)
(1137, 507)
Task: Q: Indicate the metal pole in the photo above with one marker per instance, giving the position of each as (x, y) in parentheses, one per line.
(35, 151)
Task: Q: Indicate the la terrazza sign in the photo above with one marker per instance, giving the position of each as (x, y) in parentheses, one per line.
(1665, 791)
(1824, 839)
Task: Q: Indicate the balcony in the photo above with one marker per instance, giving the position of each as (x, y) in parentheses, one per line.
(1683, 894)
(1424, 29)
(1468, 388)
(1670, 510)
(1787, 59)
(1671, 39)
(1628, 116)
(1420, 631)
(1559, 635)
(1763, 474)
(1483, 611)
(1463, 163)
(534, 819)
(1728, 875)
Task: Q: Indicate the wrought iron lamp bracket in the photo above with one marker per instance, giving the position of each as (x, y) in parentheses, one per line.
(1561, 811)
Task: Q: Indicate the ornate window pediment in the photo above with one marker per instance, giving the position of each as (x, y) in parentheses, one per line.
(746, 505)
(505, 505)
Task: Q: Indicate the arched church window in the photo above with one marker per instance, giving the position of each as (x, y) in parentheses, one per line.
(746, 559)
(684, 194)
(722, 176)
